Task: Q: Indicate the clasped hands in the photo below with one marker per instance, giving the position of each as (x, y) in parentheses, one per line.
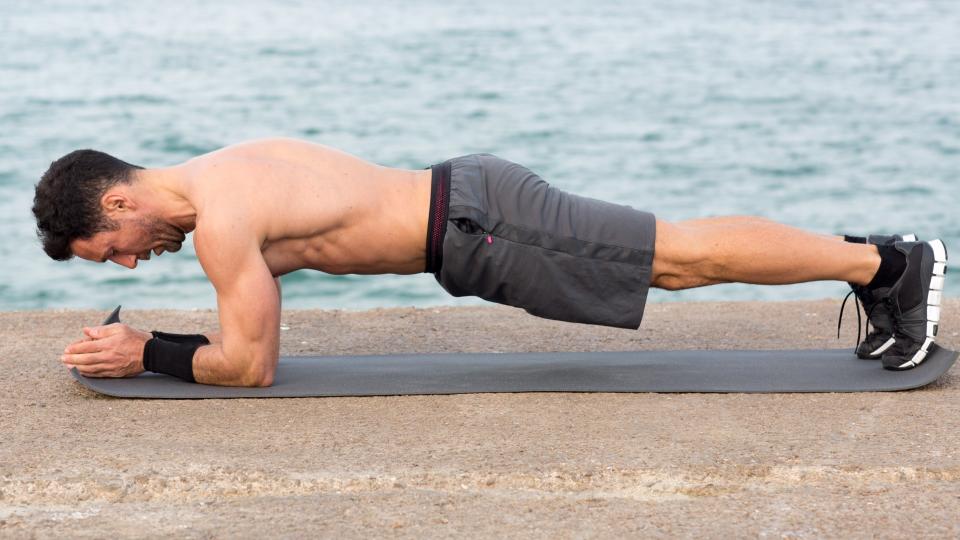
(113, 350)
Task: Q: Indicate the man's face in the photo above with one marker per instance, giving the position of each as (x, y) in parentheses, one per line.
(132, 242)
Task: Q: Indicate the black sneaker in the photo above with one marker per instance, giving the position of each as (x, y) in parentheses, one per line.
(914, 303)
(878, 316)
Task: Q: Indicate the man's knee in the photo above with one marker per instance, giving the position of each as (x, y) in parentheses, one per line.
(680, 258)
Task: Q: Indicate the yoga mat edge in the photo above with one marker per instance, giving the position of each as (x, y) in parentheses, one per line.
(684, 371)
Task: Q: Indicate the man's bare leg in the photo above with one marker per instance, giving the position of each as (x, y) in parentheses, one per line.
(744, 249)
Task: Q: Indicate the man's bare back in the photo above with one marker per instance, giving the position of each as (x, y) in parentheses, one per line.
(313, 207)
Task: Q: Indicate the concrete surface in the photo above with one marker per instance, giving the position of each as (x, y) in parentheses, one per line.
(547, 465)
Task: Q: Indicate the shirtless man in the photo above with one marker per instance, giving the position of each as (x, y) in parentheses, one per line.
(483, 225)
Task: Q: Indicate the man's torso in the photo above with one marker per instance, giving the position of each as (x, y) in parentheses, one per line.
(315, 207)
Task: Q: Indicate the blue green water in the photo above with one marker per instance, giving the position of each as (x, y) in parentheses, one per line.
(832, 116)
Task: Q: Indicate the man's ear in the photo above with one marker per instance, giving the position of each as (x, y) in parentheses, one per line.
(115, 202)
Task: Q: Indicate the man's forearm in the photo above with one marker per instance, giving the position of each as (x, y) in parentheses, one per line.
(212, 366)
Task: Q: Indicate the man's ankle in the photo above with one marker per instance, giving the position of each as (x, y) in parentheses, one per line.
(892, 265)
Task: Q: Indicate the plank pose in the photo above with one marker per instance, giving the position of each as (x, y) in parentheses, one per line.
(482, 225)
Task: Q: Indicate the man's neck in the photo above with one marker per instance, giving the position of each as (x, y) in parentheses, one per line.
(168, 191)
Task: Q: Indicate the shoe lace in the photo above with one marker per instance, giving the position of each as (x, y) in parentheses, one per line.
(860, 324)
(859, 321)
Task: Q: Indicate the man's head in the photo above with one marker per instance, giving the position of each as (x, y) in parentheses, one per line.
(86, 205)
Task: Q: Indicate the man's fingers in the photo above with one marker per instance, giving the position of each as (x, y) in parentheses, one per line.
(67, 348)
(86, 359)
(92, 345)
(96, 370)
(82, 347)
(100, 332)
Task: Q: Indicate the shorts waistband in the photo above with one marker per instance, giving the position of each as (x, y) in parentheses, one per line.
(439, 208)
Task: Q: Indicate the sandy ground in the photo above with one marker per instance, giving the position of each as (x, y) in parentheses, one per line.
(545, 465)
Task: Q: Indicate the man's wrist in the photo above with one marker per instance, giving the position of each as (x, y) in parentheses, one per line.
(170, 358)
(188, 339)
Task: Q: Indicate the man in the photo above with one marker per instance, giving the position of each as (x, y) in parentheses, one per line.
(484, 226)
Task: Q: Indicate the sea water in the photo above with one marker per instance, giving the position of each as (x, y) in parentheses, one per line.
(831, 116)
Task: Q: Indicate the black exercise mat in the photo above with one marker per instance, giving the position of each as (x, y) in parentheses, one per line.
(825, 370)
(830, 370)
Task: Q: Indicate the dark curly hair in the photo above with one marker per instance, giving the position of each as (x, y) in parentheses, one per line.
(67, 201)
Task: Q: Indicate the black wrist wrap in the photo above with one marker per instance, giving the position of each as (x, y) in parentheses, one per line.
(162, 356)
(181, 338)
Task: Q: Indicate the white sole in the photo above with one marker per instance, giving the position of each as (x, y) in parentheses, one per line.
(881, 349)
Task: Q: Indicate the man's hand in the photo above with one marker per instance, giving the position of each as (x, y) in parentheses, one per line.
(114, 350)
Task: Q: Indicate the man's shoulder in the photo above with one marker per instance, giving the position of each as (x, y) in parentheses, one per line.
(228, 205)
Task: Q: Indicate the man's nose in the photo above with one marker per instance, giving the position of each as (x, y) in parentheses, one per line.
(129, 261)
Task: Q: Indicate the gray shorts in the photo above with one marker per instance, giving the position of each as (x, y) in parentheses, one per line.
(500, 232)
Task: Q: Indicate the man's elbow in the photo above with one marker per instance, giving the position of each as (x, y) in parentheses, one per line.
(258, 376)
(257, 380)
(249, 368)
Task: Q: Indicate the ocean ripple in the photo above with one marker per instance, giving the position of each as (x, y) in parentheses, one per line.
(836, 117)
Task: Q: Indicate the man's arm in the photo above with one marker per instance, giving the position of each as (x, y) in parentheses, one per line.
(217, 337)
(248, 300)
